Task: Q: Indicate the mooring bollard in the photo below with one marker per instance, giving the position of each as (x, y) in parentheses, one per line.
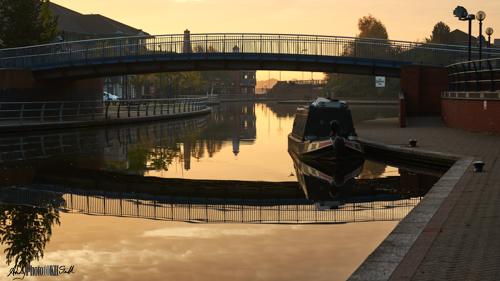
(478, 166)
(412, 143)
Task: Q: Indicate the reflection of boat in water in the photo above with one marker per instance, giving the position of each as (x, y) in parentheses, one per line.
(325, 131)
(328, 184)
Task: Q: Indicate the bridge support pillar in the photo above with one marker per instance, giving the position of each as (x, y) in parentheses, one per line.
(422, 87)
(20, 85)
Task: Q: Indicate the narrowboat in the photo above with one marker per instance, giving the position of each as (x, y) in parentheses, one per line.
(325, 131)
(328, 184)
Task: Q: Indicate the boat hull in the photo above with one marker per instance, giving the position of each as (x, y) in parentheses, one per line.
(324, 150)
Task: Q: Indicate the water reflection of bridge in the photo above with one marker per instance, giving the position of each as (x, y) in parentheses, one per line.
(198, 209)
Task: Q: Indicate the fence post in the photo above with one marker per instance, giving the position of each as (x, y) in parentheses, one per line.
(61, 112)
(138, 108)
(118, 112)
(467, 76)
(154, 108)
(147, 108)
(492, 76)
(93, 110)
(161, 107)
(173, 106)
(43, 111)
(78, 112)
(22, 112)
(107, 106)
(128, 103)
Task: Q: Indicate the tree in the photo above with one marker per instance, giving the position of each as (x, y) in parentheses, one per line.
(26, 22)
(441, 34)
(352, 85)
(371, 27)
(198, 49)
(49, 23)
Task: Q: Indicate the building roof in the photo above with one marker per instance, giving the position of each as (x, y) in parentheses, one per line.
(71, 21)
(462, 38)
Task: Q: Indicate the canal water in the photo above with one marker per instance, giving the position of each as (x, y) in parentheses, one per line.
(216, 197)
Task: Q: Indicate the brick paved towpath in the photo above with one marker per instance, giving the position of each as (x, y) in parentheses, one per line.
(454, 233)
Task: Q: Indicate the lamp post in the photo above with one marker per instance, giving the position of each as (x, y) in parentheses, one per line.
(156, 87)
(480, 17)
(462, 14)
(161, 89)
(489, 31)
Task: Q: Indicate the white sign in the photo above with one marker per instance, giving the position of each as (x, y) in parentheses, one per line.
(379, 81)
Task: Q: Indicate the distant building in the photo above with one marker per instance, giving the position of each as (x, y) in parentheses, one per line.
(462, 39)
(244, 82)
(74, 26)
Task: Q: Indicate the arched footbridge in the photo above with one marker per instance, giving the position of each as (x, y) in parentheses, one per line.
(181, 52)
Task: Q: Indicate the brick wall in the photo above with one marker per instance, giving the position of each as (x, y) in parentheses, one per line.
(472, 115)
(422, 87)
(24, 79)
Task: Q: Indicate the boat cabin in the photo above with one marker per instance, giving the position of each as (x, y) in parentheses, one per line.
(314, 122)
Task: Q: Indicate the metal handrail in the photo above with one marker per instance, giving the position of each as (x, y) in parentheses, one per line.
(59, 110)
(62, 110)
(209, 210)
(477, 73)
(158, 106)
(240, 96)
(84, 52)
(309, 82)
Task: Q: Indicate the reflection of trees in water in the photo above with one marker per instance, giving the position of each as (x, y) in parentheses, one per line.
(145, 152)
(26, 230)
(157, 146)
(159, 152)
(372, 170)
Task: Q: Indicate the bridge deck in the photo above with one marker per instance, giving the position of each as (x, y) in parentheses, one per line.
(163, 53)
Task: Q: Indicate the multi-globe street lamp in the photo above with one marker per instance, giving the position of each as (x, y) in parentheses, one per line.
(462, 14)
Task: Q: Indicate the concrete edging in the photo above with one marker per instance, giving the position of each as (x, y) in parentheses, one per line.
(384, 260)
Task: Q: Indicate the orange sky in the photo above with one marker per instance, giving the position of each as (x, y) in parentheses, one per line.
(404, 20)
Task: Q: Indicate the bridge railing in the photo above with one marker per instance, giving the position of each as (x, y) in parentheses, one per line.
(478, 75)
(309, 82)
(49, 111)
(207, 210)
(237, 97)
(62, 111)
(164, 47)
(147, 107)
